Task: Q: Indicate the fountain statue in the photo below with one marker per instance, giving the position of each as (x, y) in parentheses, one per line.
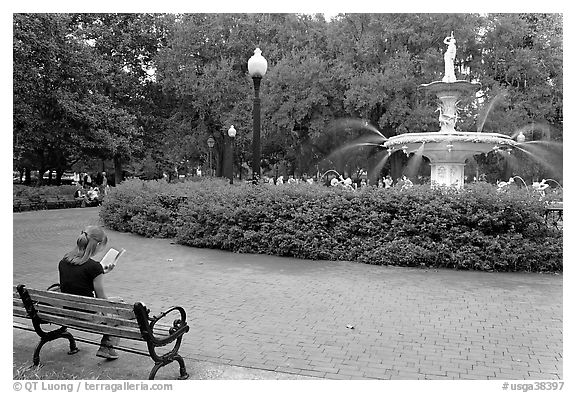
(449, 58)
(448, 148)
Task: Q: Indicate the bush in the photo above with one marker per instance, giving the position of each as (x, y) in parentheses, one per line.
(476, 228)
(35, 193)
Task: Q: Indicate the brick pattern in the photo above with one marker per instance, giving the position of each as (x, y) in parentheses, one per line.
(291, 316)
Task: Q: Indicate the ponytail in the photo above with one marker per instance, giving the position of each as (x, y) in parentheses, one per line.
(86, 245)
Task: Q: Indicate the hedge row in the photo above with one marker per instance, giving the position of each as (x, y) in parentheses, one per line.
(475, 228)
(37, 193)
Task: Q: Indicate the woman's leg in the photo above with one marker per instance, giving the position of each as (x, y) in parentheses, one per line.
(106, 349)
(108, 342)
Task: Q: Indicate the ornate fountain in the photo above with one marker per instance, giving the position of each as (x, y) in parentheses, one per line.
(448, 149)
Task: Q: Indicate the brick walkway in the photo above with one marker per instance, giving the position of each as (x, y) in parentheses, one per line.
(293, 316)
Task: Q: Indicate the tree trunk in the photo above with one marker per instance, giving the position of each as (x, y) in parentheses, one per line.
(218, 161)
(117, 170)
(59, 173)
(27, 177)
(40, 180)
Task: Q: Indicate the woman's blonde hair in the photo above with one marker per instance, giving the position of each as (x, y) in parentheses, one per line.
(86, 245)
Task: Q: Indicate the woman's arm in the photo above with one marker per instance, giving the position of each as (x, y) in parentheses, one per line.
(99, 286)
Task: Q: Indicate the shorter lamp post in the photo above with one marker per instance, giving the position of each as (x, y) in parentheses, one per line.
(230, 158)
(210, 142)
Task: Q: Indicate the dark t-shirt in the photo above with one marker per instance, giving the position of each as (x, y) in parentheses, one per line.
(79, 279)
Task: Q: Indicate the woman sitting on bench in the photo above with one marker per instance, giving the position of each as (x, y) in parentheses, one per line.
(81, 275)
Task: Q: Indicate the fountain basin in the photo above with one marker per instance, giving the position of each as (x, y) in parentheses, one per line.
(448, 152)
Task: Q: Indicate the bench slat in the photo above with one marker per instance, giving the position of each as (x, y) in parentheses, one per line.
(78, 299)
(136, 347)
(18, 302)
(19, 312)
(96, 318)
(123, 311)
(92, 327)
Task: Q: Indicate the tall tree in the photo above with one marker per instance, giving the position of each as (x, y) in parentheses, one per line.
(126, 45)
(59, 113)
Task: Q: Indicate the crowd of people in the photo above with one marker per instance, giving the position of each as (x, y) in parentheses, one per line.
(91, 192)
(334, 180)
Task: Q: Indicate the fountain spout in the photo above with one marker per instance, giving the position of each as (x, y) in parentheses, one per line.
(522, 180)
(547, 180)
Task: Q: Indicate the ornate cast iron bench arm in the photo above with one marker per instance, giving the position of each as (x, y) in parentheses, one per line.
(179, 327)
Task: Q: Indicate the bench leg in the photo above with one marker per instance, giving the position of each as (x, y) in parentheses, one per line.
(36, 356)
(183, 373)
(51, 337)
(158, 365)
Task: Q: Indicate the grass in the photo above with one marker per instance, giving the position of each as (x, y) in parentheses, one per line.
(27, 371)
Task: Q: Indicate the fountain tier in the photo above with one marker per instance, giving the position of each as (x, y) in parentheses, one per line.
(448, 152)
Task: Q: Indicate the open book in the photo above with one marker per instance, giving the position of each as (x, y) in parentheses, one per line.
(111, 257)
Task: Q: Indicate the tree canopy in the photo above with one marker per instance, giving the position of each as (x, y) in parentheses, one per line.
(147, 90)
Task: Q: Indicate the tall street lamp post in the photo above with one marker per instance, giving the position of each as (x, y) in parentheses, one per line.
(210, 142)
(257, 66)
(230, 155)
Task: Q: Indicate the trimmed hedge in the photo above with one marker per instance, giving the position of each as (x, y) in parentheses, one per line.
(476, 228)
(34, 193)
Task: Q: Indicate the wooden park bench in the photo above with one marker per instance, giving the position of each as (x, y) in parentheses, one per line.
(132, 323)
(68, 201)
(61, 202)
(24, 204)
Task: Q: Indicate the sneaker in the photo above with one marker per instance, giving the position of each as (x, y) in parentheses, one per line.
(107, 353)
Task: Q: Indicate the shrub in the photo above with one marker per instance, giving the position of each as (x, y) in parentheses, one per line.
(475, 228)
(32, 198)
(35, 193)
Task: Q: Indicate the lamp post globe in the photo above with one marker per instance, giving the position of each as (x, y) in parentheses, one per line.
(257, 66)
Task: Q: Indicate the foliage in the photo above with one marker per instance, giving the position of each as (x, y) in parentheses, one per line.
(366, 66)
(81, 87)
(138, 87)
(475, 228)
(61, 112)
(32, 193)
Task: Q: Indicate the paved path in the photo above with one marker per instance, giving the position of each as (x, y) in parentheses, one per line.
(292, 316)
